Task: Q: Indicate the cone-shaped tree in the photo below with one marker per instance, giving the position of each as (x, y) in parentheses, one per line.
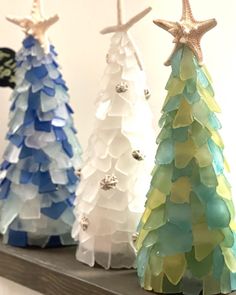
(38, 179)
(119, 159)
(186, 237)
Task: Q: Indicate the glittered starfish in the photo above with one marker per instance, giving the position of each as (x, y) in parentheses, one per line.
(122, 27)
(36, 24)
(187, 31)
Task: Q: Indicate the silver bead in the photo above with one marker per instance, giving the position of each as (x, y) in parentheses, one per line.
(84, 222)
(109, 182)
(137, 155)
(147, 93)
(122, 87)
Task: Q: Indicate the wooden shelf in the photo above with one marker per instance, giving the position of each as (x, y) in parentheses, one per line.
(56, 272)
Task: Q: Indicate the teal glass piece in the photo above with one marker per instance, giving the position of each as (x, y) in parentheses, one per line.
(150, 239)
(179, 214)
(218, 158)
(217, 213)
(202, 79)
(164, 134)
(180, 134)
(166, 118)
(228, 241)
(173, 103)
(187, 171)
(198, 209)
(199, 269)
(190, 87)
(218, 263)
(155, 220)
(225, 281)
(155, 262)
(208, 176)
(175, 62)
(173, 240)
(199, 134)
(169, 288)
(165, 152)
(233, 280)
(214, 121)
(204, 193)
(162, 178)
(142, 260)
(201, 112)
(192, 97)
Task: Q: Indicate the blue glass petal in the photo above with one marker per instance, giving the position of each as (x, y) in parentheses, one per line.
(34, 100)
(45, 126)
(55, 211)
(214, 121)
(40, 157)
(25, 152)
(72, 176)
(5, 165)
(69, 109)
(204, 193)
(60, 134)
(165, 152)
(17, 238)
(54, 242)
(25, 177)
(71, 200)
(40, 72)
(67, 148)
(46, 185)
(29, 42)
(49, 91)
(202, 79)
(29, 117)
(218, 159)
(4, 188)
(16, 139)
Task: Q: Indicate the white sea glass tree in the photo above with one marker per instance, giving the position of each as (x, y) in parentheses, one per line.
(116, 174)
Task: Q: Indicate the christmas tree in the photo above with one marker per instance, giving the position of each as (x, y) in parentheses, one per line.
(38, 179)
(186, 237)
(119, 158)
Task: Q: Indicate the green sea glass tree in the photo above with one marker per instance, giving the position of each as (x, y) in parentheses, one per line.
(186, 240)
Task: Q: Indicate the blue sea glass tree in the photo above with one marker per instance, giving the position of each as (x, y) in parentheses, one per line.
(38, 174)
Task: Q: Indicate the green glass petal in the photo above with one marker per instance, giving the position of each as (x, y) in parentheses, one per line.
(166, 118)
(164, 134)
(203, 156)
(211, 285)
(187, 171)
(175, 62)
(228, 241)
(217, 213)
(208, 176)
(162, 178)
(156, 219)
(150, 239)
(180, 134)
(173, 240)
(172, 104)
(179, 214)
(198, 210)
(165, 152)
(199, 269)
(199, 134)
(184, 153)
(225, 283)
(192, 98)
(190, 88)
(169, 82)
(204, 193)
(175, 87)
(155, 262)
(180, 191)
(157, 283)
(233, 281)
(148, 279)
(169, 288)
(201, 112)
(218, 263)
(155, 198)
(142, 260)
(187, 67)
(184, 116)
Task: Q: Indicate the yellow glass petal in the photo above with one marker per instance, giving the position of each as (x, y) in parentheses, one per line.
(175, 87)
(217, 139)
(230, 259)
(205, 240)
(223, 189)
(226, 165)
(174, 267)
(203, 156)
(209, 100)
(157, 283)
(187, 67)
(141, 237)
(206, 72)
(148, 279)
(155, 199)
(146, 215)
(232, 225)
(181, 190)
(184, 152)
(184, 116)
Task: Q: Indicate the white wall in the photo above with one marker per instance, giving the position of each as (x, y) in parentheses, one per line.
(10, 288)
(82, 53)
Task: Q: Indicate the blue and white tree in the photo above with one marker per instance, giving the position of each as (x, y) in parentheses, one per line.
(38, 174)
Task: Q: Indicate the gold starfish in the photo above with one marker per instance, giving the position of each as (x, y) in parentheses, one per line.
(36, 24)
(187, 31)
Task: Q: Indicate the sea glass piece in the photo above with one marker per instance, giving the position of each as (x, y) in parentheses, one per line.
(184, 172)
(164, 134)
(198, 210)
(211, 285)
(205, 240)
(218, 263)
(157, 283)
(209, 100)
(215, 136)
(218, 159)
(175, 62)
(173, 240)
(208, 176)
(150, 239)
(229, 238)
(203, 156)
(162, 178)
(187, 67)
(184, 116)
(165, 152)
(180, 134)
(184, 152)
(223, 189)
(201, 268)
(225, 281)
(172, 104)
(202, 78)
(142, 260)
(156, 218)
(174, 268)
(179, 214)
(155, 262)
(201, 112)
(200, 135)
(217, 213)
(175, 87)
(155, 199)
(214, 122)
(230, 258)
(180, 190)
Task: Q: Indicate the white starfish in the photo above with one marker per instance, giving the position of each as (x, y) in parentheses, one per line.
(36, 24)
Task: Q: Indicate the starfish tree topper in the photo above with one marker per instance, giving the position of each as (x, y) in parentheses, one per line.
(36, 24)
(187, 31)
